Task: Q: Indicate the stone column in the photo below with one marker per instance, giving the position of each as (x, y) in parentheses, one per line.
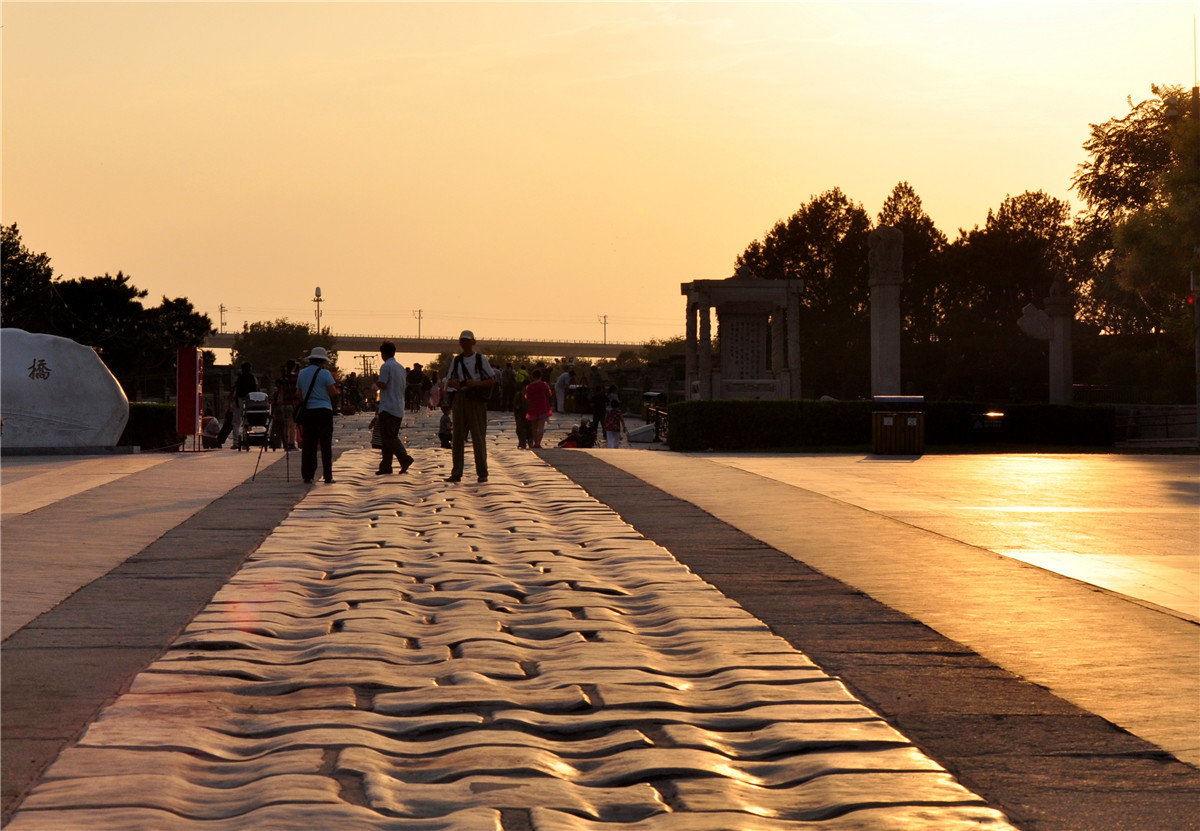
(692, 353)
(778, 344)
(705, 369)
(885, 259)
(1061, 312)
(793, 343)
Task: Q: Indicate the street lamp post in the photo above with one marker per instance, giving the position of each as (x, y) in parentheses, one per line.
(317, 300)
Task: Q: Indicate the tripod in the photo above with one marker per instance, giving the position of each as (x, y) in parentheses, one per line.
(287, 458)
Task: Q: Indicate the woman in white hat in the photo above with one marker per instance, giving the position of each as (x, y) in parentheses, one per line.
(316, 386)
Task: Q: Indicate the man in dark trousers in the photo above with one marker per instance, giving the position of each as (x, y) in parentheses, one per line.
(243, 385)
(472, 378)
(392, 384)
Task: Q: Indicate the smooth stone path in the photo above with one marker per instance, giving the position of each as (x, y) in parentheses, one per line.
(75, 521)
(406, 654)
(1137, 666)
(1126, 523)
(82, 646)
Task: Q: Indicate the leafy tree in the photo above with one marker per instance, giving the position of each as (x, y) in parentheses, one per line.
(994, 271)
(657, 349)
(1158, 246)
(922, 297)
(137, 344)
(1137, 236)
(268, 345)
(1024, 246)
(825, 243)
(26, 284)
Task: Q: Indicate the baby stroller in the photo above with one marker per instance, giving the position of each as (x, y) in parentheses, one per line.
(256, 420)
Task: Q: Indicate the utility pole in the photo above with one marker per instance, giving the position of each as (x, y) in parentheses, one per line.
(604, 321)
(1193, 277)
(418, 314)
(223, 309)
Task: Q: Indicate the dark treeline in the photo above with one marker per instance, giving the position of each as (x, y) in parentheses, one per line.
(1125, 259)
(138, 344)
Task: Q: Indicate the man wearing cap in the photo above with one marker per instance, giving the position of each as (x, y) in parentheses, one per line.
(317, 386)
(392, 384)
(472, 379)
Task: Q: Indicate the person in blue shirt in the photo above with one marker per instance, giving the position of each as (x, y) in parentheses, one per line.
(318, 385)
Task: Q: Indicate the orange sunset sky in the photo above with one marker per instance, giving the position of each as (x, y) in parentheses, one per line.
(524, 168)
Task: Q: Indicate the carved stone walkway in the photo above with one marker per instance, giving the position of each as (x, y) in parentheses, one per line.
(405, 654)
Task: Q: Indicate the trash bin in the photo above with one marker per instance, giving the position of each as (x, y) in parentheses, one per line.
(896, 431)
(651, 399)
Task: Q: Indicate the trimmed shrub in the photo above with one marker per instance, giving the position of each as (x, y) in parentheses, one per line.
(151, 427)
(762, 425)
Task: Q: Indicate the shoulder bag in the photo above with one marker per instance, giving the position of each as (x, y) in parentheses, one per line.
(302, 408)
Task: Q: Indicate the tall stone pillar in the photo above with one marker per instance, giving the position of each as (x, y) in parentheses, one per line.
(692, 353)
(793, 343)
(886, 259)
(1061, 312)
(705, 369)
(778, 343)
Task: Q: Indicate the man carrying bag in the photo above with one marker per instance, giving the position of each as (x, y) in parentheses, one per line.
(470, 379)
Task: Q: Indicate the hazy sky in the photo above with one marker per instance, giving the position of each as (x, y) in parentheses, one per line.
(522, 169)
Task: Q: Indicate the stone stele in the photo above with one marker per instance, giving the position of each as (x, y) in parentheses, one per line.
(57, 393)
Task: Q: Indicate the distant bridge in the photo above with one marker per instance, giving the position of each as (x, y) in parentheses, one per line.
(438, 345)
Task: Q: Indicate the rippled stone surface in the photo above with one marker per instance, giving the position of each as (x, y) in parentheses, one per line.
(405, 654)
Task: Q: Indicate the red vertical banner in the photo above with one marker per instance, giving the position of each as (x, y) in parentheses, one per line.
(189, 395)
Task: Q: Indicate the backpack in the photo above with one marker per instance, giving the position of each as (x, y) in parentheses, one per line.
(612, 419)
(473, 393)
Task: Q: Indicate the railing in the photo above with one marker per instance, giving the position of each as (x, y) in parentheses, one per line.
(658, 415)
(1155, 424)
(454, 339)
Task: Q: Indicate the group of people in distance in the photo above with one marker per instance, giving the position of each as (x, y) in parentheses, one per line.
(304, 406)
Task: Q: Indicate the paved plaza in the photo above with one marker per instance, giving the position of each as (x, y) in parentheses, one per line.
(591, 640)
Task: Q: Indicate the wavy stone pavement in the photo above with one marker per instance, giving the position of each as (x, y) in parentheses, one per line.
(405, 654)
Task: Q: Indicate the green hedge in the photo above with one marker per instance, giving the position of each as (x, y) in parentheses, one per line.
(760, 425)
(151, 427)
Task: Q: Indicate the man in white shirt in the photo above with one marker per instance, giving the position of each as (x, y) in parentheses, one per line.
(472, 378)
(390, 413)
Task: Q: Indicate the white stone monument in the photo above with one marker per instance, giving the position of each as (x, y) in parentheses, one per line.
(746, 306)
(56, 393)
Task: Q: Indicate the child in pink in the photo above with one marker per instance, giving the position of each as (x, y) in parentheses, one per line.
(538, 393)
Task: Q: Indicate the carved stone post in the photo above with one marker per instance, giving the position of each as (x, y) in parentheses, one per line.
(1061, 312)
(779, 352)
(886, 258)
(692, 351)
(793, 342)
(706, 391)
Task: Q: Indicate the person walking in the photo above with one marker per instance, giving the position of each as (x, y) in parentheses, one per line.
(392, 385)
(537, 394)
(243, 385)
(520, 408)
(317, 386)
(508, 386)
(471, 378)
